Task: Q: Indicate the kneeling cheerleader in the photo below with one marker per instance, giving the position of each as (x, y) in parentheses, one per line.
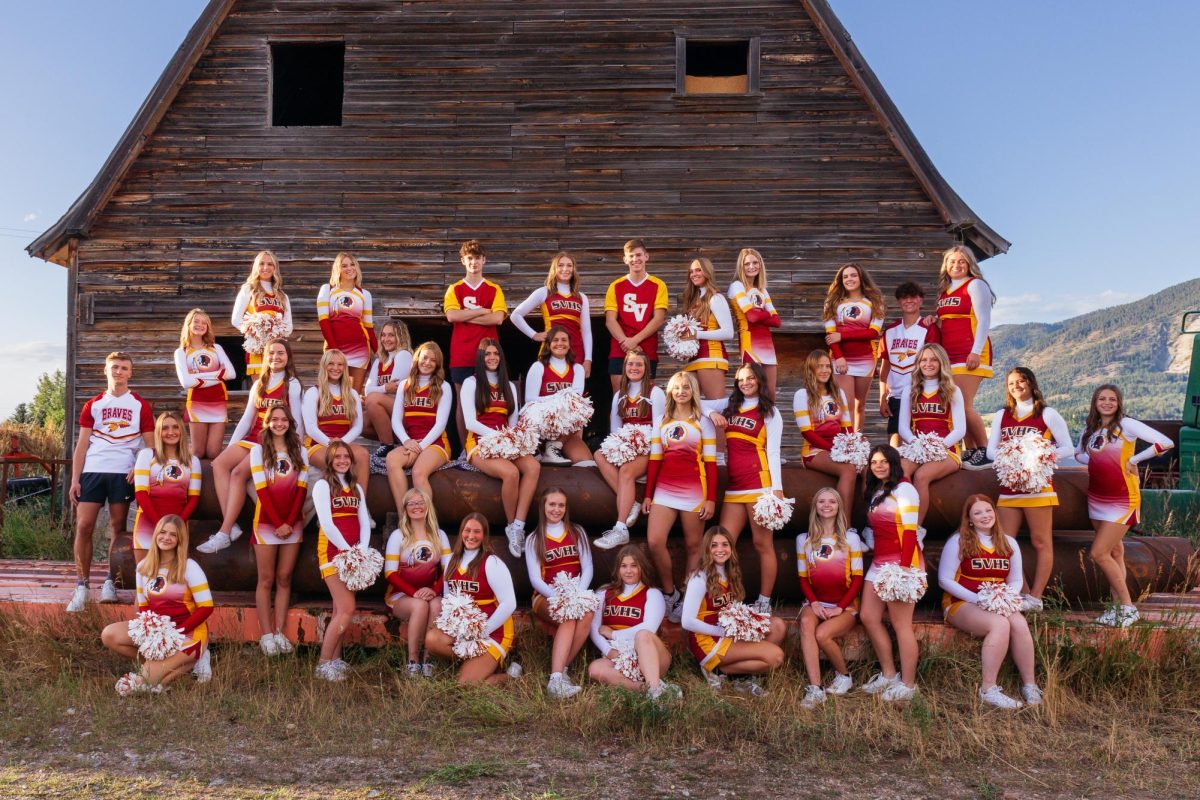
(413, 565)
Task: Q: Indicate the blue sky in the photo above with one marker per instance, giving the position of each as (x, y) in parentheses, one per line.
(1067, 126)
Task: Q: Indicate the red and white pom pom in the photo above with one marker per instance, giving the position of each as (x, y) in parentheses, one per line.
(999, 597)
(851, 448)
(509, 443)
(1025, 464)
(626, 661)
(558, 415)
(676, 327)
(897, 584)
(155, 635)
(772, 512)
(570, 600)
(132, 683)
(925, 448)
(625, 444)
(743, 624)
(258, 329)
(465, 623)
(358, 567)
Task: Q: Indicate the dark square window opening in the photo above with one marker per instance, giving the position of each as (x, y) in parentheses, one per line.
(307, 83)
(724, 66)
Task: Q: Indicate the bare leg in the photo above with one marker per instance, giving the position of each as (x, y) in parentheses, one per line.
(397, 461)
(871, 616)
(222, 468)
(1041, 534)
(264, 558)
(1108, 554)
(610, 475)
(627, 477)
(862, 385)
(712, 387)
(829, 634)
(976, 431)
(510, 481)
(115, 637)
(85, 528)
(362, 465)
(237, 494)
(339, 621)
(417, 612)
(772, 372)
(693, 533)
(575, 449)
(378, 411)
(653, 657)
(658, 527)
(216, 433)
(927, 474)
(1020, 642)
(530, 470)
(993, 629)
(845, 383)
(429, 462)
(901, 615)
(358, 376)
(285, 565)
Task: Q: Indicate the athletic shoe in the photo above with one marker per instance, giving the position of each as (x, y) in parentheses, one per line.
(995, 696)
(898, 691)
(427, 669)
(108, 592)
(203, 667)
(1032, 694)
(665, 692)
(326, 671)
(78, 599)
(840, 684)
(613, 537)
(559, 689)
(516, 539)
(977, 460)
(552, 454)
(566, 676)
(587, 462)
(1031, 604)
(1109, 617)
(268, 644)
(282, 644)
(414, 669)
(674, 607)
(716, 681)
(879, 682)
(813, 697)
(634, 513)
(235, 532)
(216, 543)
(762, 605)
(1126, 616)
(341, 666)
(515, 670)
(749, 686)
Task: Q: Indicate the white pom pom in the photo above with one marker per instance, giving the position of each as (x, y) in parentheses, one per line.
(1025, 464)
(743, 624)
(683, 349)
(155, 635)
(465, 622)
(508, 443)
(626, 443)
(258, 329)
(894, 583)
(1000, 598)
(851, 448)
(358, 568)
(558, 415)
(626, 661)
(925, 448)
(773, 512)
(570, 600)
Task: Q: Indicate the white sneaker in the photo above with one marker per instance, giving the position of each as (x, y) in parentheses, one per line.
(879, 682)
(1109, 617)
(899, 691)
(813, 697)
(215, 544)
(1032, 694)
(840, 684)
(995, 696)
(762, 605)
(414, 669)
(665, 692)
(1126, 616)
(1031, 604)
(749, 686)
(282, 644)
(78, 599)
(587, 462)
(553, 454)
(516, 539)
(268, 644)
(341, 666)
(634, 513)
(560, 689)
(235, 532)
(515, 670)
(613, 537)
(716, 681)
(674, 607)
(326, 671)
(202, 669)
(427, 669)
(108, 592)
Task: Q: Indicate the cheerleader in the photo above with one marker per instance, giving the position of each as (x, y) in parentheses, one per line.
(341, 507)
(822, 412)
(829, 561)
(853, 315)
(717, 583)
(413, 565)
(892, 532)
(173, 585)
(753, 432)
(631, 610)
(166, 480)
(637, 401)
(392, 362)
(703, 301)
(344, 311)
(474, 570)
(419, 420)
(681, 480)
(979, 552)
(1026, 412)
(279, 469)
(556, 371)
(933, 405)
(556, 546)
(561, 303)
(1107, 447)
(489, 402)
(276, 385)
(755, 314)
(202, 368)
(333, 410)
(262, 293)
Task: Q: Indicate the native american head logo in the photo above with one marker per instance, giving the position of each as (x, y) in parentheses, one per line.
(173, 472)
(756, 299)
(422, 553)
(1098, 440)
(203, 360)
(345, 301)
(853, 312)
(830, 409)
(824, 552)
(283, 466)
(156, 585)
(676, 432)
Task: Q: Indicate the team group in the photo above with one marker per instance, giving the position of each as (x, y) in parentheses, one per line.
(375, 384)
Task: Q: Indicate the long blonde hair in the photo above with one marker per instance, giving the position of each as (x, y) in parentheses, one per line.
(252, 284)
(973, 269)
(695, 410)
(708, 567)
(335, 273)
(435, 380)
(345, 386)
(759, 281)
(816, 525)
(691, 301)
(185, 333)
(183, 451)
(969, 545)
(552, 276)
(151, 564)
(403, 340)
(410, 534)
(815, 389)
(837, 293)
(946, 387)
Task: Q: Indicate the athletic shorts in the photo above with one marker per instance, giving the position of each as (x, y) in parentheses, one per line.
(893, 422)
(105, 487)
(617, 365)
(460, 374)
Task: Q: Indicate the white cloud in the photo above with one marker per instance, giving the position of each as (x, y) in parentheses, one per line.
(22, 363)
(1033, 307)
(30, 217)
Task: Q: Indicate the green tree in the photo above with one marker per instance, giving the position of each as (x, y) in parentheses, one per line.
(21, 416)
(49, 405)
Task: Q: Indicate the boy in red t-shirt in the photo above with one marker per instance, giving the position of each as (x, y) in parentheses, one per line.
(635, 307)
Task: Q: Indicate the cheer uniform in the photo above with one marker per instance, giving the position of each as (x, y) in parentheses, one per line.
(254, 417)
(706, 638)
(634, 305)
(466, 336)
(345, 522)
(202, 372)
(755, 315)
(345, 316)
(830, 576)
(162, 489)
(492, 590)
(1048, 424)
(712, 335)
(117, 423)
(1113, 494)
(818, 434)
(384, 371)
(571, 310)
(495, 416)
(187, 604)
(336, 423)
(626, 612)
(411, 566)
(964, 312)
(932, 416)
(855, 321)
(566, 551)
(280, 488)
(419, 419)
(960, 578)
(629, 414)
(682, 473)
(901, 343)
(752, 443)
(268, 303)
(546, 379)
(894, 522)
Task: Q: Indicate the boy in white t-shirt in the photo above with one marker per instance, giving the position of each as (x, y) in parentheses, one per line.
(902, 340)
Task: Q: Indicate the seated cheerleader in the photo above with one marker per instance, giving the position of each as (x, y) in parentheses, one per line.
(556, 546)
(821, 414)
(171, 584)
(166, 480)
(716, 584)
(829, 560)
(276, 385)
(475, 571)
(393, 361)
(341, 507)
(934, 405)
(489, 403)
(892, 520)
(979, 552)
(419, 419)
(413, 562)
(279, 467)
(681, 481)
(202, 368)
(630, 610)
(556, 371)
(329, 415)
(637, 401)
